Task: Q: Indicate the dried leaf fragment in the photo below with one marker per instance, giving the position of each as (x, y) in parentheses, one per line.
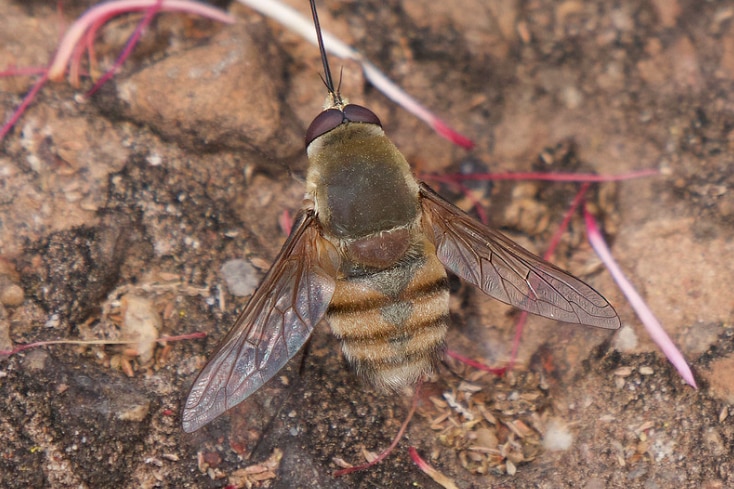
(253, 475)
(141, 324)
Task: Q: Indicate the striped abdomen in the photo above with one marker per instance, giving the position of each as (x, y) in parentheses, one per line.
(392, 322)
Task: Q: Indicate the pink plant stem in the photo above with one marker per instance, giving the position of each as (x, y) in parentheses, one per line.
(475, 202)
(434, 474)
(522, 318)
(75, 59)
(85, 45)
(142, 25)
(92, 20)
(60, 15)
(30, 70)
(475, 364)
(652, 325)
(551, 177)
(89, 43)
(110, 9)
(294, 21)
(397, 95)
(392, 446)
(162, 339)
(575, 203)
(23, 105)
(182, 337)
(285, 221)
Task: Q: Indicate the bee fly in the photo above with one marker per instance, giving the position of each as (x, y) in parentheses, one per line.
(368, 251)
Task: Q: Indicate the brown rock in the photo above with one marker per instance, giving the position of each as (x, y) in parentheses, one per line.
(720, 376)
(222, 94)
(668, 11)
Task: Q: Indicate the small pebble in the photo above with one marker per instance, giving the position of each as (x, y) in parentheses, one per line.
(11, 295)
(646, 371)
(624, 371)
(135, 413)
(557, 436)
(241, 277)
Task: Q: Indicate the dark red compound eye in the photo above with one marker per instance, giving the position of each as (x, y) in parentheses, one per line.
(323, 123)
(357, 113)
(332, 118)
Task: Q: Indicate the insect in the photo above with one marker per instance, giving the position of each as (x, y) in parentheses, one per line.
(369, 252)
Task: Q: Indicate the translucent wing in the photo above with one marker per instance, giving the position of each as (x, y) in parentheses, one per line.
(508, 272)
(274, 325)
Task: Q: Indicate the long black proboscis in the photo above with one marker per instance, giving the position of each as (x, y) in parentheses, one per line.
(327, 71)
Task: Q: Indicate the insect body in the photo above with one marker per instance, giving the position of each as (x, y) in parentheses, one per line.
(390, 301)
(368, 252)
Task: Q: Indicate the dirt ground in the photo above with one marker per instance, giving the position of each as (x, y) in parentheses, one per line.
(119, 212)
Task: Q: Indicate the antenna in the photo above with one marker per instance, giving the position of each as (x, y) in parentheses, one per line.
(327, 71)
